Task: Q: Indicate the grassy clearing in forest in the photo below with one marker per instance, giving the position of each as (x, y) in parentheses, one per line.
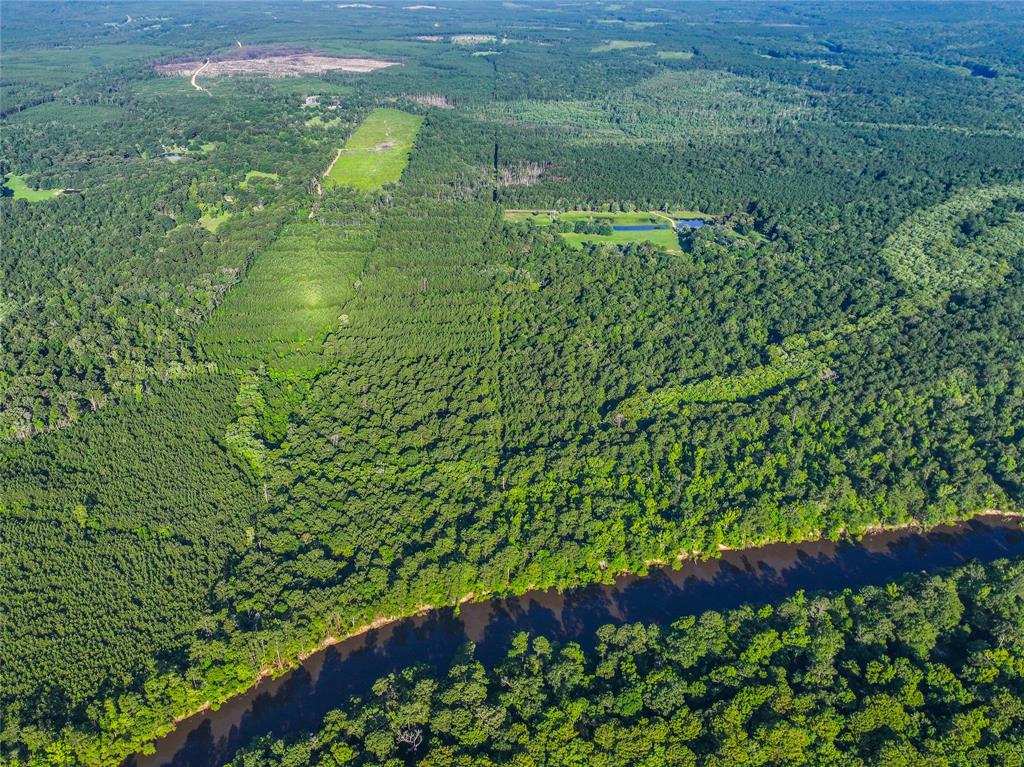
(675, 55)
(212, 222)
(377, 153)
(319, 122)
(663, 238)
(257, 174)
(666, 237)
(22, 191)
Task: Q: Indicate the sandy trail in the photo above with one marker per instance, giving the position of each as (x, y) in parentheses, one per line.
(336, 158)
(195, 74)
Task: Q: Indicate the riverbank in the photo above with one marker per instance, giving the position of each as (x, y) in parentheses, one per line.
(762, 571)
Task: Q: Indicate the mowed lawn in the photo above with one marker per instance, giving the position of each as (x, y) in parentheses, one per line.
(20, 190)
(377, 153)
(666, 238)
(663, 238)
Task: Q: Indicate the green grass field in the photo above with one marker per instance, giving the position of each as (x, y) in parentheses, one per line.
(663, 238)
(675, 55)
(213, 222)
(320, 122)
(666, 238)
(22, 191)
(256, 174)
(377, 153)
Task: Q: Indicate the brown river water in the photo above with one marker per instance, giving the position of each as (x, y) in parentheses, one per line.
(299, 699)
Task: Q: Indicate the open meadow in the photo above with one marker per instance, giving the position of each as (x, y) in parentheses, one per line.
(377, 153)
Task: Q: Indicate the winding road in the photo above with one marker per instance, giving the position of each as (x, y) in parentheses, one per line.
(195, 74)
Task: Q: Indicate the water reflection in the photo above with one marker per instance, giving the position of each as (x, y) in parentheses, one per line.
(299, 700)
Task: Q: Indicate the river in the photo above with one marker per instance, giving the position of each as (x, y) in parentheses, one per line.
(299, 699)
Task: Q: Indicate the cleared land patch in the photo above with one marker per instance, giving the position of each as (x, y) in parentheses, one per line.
(469, 40)
(20, 190)
(377, 153)
(675, 55)
(320, 122)
(212, 221)
(279, 64)
(963, 242)
(256, 175)
(580, 227)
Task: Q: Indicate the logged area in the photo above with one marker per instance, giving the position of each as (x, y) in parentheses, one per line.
(321, 320)
(279, 65)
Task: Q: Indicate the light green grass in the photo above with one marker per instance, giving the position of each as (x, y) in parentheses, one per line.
(22, 191)
(663, 238)
(620, 45)
(213, 222)
(377, 153)
(319, 122)
(675, 55)
(256, 174)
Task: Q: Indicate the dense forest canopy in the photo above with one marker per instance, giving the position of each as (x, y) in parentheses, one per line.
(255, 391)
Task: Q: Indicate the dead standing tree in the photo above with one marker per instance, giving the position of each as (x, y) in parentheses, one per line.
(410, 737)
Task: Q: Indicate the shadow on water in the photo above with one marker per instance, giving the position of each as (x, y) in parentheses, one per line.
(300, 699)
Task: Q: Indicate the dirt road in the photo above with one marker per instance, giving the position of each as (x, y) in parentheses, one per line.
(195, 74)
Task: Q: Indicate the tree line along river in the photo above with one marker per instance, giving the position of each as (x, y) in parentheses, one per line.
(299, 699)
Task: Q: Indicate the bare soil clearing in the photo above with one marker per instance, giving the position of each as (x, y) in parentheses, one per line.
(280, 65)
